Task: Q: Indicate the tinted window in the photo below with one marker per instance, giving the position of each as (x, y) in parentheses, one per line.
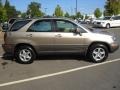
(116, 18)
(12, 21)
(19, 24)
(106, 18)
(41, 26)
(65, 26)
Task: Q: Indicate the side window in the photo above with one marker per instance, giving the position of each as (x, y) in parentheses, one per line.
(19, 24)
(116, 18)
(11, 21)
(41, 26)
(81, 30)
(65, 26)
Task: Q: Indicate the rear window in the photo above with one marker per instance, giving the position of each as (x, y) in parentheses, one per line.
(12, 21)
(19, 24)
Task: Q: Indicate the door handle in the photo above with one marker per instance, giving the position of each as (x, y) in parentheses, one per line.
(58, 35)
(29, 35)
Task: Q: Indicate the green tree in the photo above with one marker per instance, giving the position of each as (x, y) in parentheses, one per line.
(86, 16)
(1, 11)
(10, 10)
(67, 15)
(3, 14)
(73, 16)
(112, 7)
(34, 10)
(82, 16)
(1, 3)
(58, 11)
(24, 15)
(97, 13)
(78, 15)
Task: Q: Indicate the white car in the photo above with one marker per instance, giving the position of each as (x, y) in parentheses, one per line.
(108, 22)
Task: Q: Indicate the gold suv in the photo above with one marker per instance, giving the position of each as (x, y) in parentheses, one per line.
(28, 38)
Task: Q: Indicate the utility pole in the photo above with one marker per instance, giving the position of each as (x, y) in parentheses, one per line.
(45, 11)
(76, 6)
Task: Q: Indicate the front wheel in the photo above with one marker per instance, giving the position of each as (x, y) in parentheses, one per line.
(98, 53)
(107, 26)
(25, 55)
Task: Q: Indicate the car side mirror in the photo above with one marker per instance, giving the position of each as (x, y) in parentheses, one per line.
(77, 31)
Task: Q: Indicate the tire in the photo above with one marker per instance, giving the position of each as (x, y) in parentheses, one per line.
(25, 55)
(98, 53)
(108, 26)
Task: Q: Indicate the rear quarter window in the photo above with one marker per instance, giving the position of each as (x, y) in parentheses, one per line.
(12, 21)
(19, 24)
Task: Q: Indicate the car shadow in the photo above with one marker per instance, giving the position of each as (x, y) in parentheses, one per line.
(78, 57)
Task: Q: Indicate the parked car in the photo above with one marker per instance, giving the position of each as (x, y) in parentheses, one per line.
(6, 25)
(87, 21)
(96, 20)
(26, 39)
(108, 21)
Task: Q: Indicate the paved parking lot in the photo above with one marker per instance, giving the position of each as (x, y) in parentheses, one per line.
(62, 72)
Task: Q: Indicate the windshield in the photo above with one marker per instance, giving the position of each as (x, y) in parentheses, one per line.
(106, 18)
(84, 26)
(87, 27)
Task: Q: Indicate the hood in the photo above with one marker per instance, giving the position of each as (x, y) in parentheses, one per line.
(102, 20)
(102, 32)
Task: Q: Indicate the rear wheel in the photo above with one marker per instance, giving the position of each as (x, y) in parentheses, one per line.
(25, 54)
(98, 53)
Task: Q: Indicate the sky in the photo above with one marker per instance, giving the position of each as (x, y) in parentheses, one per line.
(48, 6)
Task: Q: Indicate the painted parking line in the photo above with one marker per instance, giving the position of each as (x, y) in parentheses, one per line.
(57, 73)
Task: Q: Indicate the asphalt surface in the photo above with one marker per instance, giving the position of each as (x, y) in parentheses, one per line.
(61, 72)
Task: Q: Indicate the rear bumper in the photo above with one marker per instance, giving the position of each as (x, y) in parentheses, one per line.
(114, 47)
(8, 48)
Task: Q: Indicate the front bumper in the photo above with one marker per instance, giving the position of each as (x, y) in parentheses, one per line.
(114, 47)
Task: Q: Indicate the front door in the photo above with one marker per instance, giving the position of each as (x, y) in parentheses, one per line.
(66, 39)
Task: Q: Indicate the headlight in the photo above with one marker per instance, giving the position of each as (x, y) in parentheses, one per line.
(114, 38)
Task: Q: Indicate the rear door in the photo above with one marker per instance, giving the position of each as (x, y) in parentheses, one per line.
(41, 34)
(116, 21)
(65, 39)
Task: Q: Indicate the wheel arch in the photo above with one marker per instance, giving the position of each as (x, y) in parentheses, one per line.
(25, 44)
(101, 43)
(108, 24)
